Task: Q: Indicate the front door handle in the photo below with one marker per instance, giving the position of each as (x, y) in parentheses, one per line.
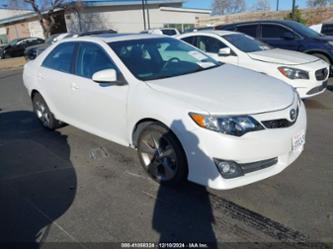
(74, 87)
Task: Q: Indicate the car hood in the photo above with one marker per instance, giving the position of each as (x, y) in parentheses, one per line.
(228, 90)
(282, 56)
(325, 38)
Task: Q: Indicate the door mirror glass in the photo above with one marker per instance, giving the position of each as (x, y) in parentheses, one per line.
(224, 52)
(105, 76)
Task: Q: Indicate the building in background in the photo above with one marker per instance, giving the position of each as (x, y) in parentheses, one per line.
(120, 15)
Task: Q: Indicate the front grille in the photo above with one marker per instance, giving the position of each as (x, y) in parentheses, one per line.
(317, 89)
(277, 123)
(251, 167)
(321, 74)
(280, 123)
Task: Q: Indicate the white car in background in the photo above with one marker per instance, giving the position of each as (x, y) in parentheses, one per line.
(188, 115)
(308, 74)
(162, 31)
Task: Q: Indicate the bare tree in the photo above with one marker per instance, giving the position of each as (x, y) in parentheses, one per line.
(223, 7)
(46, 11)
(317, 3)
(262, 5)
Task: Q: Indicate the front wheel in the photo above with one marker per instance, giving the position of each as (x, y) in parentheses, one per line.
(323, 57)
(43, 113)
(162, 155)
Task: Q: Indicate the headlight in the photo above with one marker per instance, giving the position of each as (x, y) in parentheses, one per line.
(294, 73)
(231, 125)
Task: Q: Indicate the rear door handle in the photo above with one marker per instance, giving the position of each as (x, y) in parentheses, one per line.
(75, 86)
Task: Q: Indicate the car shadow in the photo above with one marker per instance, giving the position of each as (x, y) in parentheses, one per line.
(315, 104)
(330, 88)
(185, 213)
(37, 180)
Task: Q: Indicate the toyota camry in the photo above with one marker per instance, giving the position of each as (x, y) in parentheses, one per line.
(188, 116)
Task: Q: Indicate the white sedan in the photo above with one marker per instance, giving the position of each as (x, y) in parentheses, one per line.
(188, 115)
(308, 74)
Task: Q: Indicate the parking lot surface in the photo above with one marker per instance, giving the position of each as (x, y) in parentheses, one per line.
(71, 186)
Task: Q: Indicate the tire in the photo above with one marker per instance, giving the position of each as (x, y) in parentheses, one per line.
(161, 155)
(323, 57)
(43, 113)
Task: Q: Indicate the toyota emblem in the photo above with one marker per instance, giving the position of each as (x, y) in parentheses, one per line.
(293, 114)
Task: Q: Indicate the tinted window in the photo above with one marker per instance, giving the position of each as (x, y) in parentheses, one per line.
(275, 31)
(303, 30)
(250, 30)
(91, 59)
(60, 58)
(327, 29)
(190, 40)
(169, 32)
(209, 44)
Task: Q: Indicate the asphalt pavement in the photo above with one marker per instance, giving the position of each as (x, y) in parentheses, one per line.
(71, 186)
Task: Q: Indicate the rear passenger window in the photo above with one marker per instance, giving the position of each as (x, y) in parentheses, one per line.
(60, 58)
(275, 31)
(91, 59)
(250, 30)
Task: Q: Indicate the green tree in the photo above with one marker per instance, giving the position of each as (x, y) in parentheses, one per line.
(297, 16)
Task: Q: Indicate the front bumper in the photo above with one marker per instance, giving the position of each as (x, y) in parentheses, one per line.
(205, 145)
(309, 87)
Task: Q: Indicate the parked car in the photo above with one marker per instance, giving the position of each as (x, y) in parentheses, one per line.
(323, 28)
(32, 52)
(188, 115)
(287, 34)
(306, 73)
(162, 31)
(16, 47)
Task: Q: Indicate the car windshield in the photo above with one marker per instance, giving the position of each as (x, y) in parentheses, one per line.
(304, 30)
(14, 42)
(246, 43)
(157, 58)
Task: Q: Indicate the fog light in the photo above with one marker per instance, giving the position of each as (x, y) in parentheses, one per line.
(228, 169)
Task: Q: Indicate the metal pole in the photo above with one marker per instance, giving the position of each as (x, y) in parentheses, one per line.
(144, 14)
(277, 5)
(148, 17)
(294, 8)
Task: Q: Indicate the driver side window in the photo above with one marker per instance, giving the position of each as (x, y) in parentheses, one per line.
(209, 44)
(92, 58)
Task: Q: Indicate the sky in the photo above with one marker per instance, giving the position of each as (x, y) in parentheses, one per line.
(283, 4)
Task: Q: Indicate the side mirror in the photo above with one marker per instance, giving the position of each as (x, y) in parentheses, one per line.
(105, 76)
(108, 76)
(288, 36)
(224, 51)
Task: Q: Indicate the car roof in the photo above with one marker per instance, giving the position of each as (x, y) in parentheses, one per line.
(258, 22)
(107, 38)
(213, 31)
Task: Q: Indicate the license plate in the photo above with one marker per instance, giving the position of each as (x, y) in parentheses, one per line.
(298, 141)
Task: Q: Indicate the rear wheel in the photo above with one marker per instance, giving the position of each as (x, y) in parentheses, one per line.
(43, 113)
(162, 155)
